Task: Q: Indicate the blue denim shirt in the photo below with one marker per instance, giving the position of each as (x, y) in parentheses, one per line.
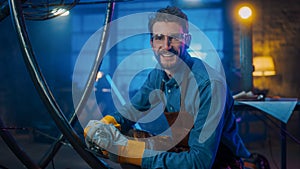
(207, 99)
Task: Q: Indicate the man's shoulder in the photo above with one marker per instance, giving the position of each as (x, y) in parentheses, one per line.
(205, 73)
(199, 69)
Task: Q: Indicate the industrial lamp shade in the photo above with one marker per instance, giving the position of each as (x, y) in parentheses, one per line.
(263, 66)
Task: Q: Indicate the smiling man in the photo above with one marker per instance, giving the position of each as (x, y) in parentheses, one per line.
(168, 40)
(202, 129)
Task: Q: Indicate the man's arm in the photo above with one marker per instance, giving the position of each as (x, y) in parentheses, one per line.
(139, 104)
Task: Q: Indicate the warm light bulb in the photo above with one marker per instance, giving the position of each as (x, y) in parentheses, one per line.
(245, 12)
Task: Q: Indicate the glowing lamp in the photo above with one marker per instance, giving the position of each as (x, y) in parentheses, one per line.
(245, 12)
(263, 66)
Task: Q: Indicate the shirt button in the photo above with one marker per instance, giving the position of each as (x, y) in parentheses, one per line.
(169, 91)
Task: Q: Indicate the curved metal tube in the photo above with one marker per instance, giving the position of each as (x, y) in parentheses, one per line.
(88, 86)
(92, 76)
(14, 147)
(43, 89)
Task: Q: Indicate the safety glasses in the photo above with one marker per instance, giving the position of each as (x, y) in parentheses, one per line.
(172, 38)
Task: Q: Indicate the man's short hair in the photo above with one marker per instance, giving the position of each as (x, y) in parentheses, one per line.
(170, 14)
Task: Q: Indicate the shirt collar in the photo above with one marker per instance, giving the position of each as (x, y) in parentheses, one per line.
(179, 76)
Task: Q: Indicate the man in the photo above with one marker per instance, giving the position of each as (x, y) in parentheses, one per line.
(196, 103)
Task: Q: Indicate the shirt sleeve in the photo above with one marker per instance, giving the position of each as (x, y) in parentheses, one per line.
(139, 105)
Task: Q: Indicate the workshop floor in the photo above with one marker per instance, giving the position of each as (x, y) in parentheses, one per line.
(67, 158)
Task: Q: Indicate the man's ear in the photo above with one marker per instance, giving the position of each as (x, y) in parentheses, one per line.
(188, 39)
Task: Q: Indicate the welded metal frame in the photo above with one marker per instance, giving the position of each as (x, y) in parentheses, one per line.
(88, 87)
(47, 96)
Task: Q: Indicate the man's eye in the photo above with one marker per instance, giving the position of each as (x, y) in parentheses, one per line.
(177, 36)
(159, 37)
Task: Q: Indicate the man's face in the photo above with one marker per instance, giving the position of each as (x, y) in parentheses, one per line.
(168, 44)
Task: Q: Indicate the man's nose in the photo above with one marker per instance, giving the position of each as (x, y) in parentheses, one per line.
(167, 43)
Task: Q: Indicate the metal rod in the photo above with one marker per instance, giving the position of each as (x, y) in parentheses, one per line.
(88, 87)
(49, 155)
(43, 89)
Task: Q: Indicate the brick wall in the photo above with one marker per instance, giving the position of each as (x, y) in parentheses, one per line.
(276, 32)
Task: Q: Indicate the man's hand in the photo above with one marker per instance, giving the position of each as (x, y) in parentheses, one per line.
(106, 120)
(111, 120)
(108, 137)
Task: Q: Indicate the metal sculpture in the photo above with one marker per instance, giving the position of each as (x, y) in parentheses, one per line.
(45, 93)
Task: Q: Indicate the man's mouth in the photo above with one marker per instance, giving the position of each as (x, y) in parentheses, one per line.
(168, 53)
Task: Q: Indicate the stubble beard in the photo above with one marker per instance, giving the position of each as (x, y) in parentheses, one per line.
(169, 61)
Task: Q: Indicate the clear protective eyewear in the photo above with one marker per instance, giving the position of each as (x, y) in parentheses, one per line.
(172, 38)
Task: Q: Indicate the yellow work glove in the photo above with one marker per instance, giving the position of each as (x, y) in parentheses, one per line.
(132, 153)
(106, 120)
(111, 120)
(109, 138)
